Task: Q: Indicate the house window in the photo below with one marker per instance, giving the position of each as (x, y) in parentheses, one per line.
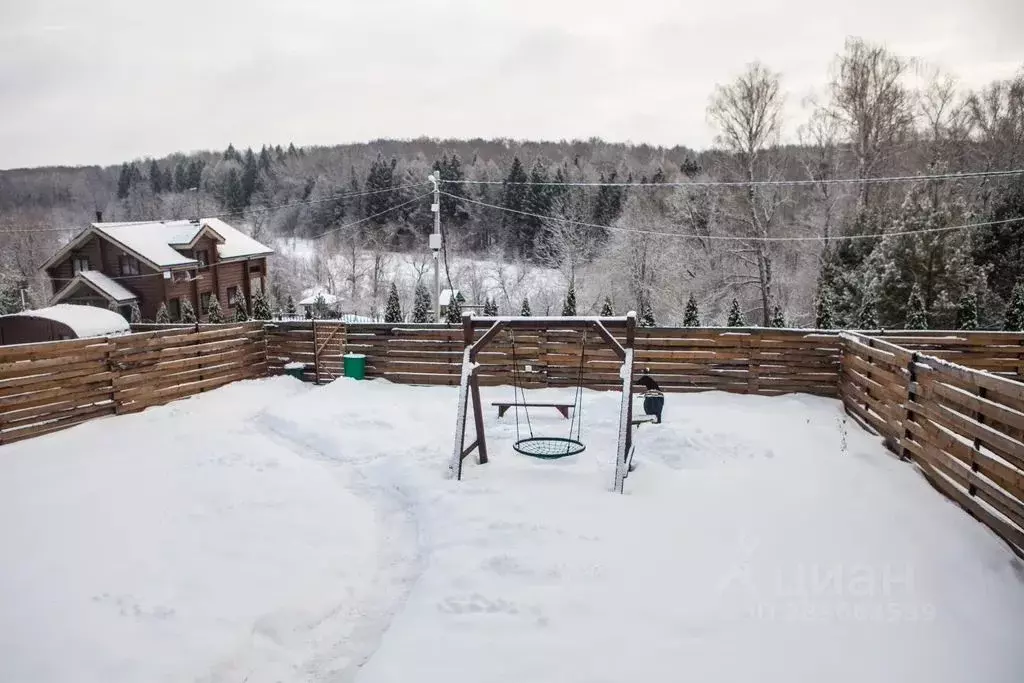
(232, 295)
(204, 301)
(203, 256)
(80, 263)
(174, 309)
(129, 265)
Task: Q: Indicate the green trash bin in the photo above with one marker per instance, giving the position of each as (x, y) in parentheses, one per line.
(355, 365)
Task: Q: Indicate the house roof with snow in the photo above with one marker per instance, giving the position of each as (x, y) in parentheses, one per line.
(446, 296)
(84, 321)
(99, 283)
(156, 243)
(310, 296)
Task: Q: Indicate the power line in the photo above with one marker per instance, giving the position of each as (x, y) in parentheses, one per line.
(259, 209)
(748, 183)
(737, 238)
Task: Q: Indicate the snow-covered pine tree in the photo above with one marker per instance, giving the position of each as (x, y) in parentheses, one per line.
(490, 307)
(606, 308)
(260, 307)
(778, 319)
(646, 314)
(319, 307)
(735, 316)
(393, 308)
(569, 307)
(453, 314)
(10, 300)
(421, 304)
(188, 313)
(135, 314)
(691, 317)
(162, 316)
(967, 311)
(867, 318)
(289, 306)
(525, 309)
(824, 318)
(1015, 310)
(214, 313)
(917, 316)
(241, 315)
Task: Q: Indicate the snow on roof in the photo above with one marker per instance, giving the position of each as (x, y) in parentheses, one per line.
(312, 294)
(85, 321)
(446, 296)
(152, 240)
(107, 285)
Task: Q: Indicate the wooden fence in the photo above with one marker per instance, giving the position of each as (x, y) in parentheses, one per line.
(963, 428)
(51, 386)
(1000, 353)
(756, 361)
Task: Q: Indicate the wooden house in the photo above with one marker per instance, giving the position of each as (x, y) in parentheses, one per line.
(150, 263)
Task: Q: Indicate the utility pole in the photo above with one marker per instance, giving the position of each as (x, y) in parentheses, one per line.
(435, 242)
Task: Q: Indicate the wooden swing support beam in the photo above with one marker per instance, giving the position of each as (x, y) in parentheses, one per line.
(469, 385)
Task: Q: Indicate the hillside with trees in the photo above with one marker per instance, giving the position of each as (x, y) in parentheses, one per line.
(677, 233)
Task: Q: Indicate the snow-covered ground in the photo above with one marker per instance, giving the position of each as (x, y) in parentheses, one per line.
(272, 531)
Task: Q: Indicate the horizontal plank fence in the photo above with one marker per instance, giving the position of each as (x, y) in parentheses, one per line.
(52, 386)
(962, 427)
(1000, 353)
(756, 361)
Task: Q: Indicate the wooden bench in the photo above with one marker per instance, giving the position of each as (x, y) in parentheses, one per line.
(503, 407)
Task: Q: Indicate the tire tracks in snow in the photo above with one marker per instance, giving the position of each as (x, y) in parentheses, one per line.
(400, 561)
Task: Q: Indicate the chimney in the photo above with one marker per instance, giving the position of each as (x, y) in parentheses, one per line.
(99, 216)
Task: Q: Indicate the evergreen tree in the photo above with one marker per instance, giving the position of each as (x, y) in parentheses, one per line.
(241, 314)
(162, 316)
(646, 313)
(735, 316)
(691, 317)
(264, 162)
(135, 314)
(917, 316)
(214, 314)
(421, 304)
(231, 154)
(260, 307)
(156, 179)
(250, 176)
(537, 201)
(867, 319)
(10, 300)
(606, 308)
(233, 192)
(168, 180)
(289, 306)
(1015, 310)
(569, 307)
(180, 176)
(195, 174)
(188, 313)
(513, 196)
(320, 310)
(124, 182)
(393, 309)
(490, 307)
(824, 318)
(967, 311)
(525, 309)
(778, 319)
(453, 313)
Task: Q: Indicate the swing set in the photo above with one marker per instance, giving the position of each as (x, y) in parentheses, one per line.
(542, 446)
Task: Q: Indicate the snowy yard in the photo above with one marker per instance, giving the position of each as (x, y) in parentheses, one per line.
(274, 531)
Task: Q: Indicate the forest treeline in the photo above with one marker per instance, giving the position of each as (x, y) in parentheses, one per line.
(642, 226)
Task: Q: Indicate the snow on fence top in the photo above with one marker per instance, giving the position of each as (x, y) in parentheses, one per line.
(84, 321)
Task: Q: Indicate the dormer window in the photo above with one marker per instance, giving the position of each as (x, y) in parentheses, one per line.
(203, 257)
(80, 263)
(129, 265)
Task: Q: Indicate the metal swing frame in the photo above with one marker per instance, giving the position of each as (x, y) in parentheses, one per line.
(469, 385)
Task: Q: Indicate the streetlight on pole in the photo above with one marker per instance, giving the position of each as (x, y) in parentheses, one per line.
(435, 242)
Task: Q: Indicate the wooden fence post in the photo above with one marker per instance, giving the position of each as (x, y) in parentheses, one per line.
(908, 413)
(316, 357)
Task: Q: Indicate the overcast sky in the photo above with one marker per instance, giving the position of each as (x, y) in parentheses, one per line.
(108, 80)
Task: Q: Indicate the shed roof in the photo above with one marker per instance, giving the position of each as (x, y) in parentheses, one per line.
(84, 321)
